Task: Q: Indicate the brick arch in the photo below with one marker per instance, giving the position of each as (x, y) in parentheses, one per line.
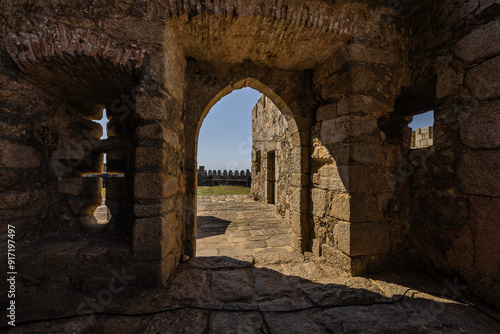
(27, 49)
(291, 94)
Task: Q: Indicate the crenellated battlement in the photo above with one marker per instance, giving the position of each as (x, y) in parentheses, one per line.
(225, 177)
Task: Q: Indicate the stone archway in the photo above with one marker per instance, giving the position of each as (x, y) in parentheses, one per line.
(269, 82)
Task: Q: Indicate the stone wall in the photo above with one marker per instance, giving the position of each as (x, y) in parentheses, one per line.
(216, 178)
(423, 137)
(272, 157)
(357, 222)
(453, 186)
(347, 78)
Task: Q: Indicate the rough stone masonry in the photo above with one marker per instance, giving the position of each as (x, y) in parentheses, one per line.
(347, 77)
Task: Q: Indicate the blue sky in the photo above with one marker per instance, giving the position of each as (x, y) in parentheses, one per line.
(225, 140)
(103, 122)
(422, 120)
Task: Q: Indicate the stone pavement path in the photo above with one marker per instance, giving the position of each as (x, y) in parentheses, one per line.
(279, 293)
(238, 226)
(275, 290)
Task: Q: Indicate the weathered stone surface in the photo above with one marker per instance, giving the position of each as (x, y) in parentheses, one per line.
(353, 208)
(18, 156)
(87, 186)
(361, 104)
(343, 261)
(486, 233)
(326, 112)
(26, 200)
(449, 79)
(480, 128)
(319, 201)
(483, 42)
(62, 64)
(153, 238)
(186, 321)
(231, 287)
(10, 179)
(478, 173)
(150, 157)
(346, 128)
(362, 238)
(361, 53)
(484, 79)
(154, 185)
(151, 108)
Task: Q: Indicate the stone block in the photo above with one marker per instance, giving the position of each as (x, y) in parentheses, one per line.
(361, 53)
(154, 185)
(13, 130)
(361, 104)
(156, 273)
(354, 207)
(368, 153)
(357, 239)
(326, 112)
(484, 222)
(151, 108)
(28, 200)
(118, 208)
(116, 126)
(298, 223)
(448, 78)
(329, 178)
(152, 132)
(154, 210)
(300, 159)
(150, 157)
(85, 206)
(346, 128)
(337, 258)
(117, 188)
(299, 180)
(484, 79)
(480, 128)
(153, 238)
(478, 173)
(11, 179)
(18, 156)
(80, 186)
(362, 179)
(296, 199)
(321, 153)
(319, 202)
(483, 42)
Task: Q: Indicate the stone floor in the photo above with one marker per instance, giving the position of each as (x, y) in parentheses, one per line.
(274, 290)
(238, 226)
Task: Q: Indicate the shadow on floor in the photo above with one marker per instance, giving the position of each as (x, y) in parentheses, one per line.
(209, 226)
(225, 295)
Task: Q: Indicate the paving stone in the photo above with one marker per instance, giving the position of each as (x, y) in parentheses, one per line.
(231, 287)
(183, 321)
(241, 323)
(208, 252)
(292, 323)
(232, 223)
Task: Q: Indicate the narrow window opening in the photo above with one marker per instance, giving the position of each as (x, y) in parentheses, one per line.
(102, 212)
(271, 177)
(422, 134)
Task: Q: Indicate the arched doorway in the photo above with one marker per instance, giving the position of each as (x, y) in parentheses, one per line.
(234, 219)
(295, 102)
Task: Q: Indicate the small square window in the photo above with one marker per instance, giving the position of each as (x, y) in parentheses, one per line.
(422, 134)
